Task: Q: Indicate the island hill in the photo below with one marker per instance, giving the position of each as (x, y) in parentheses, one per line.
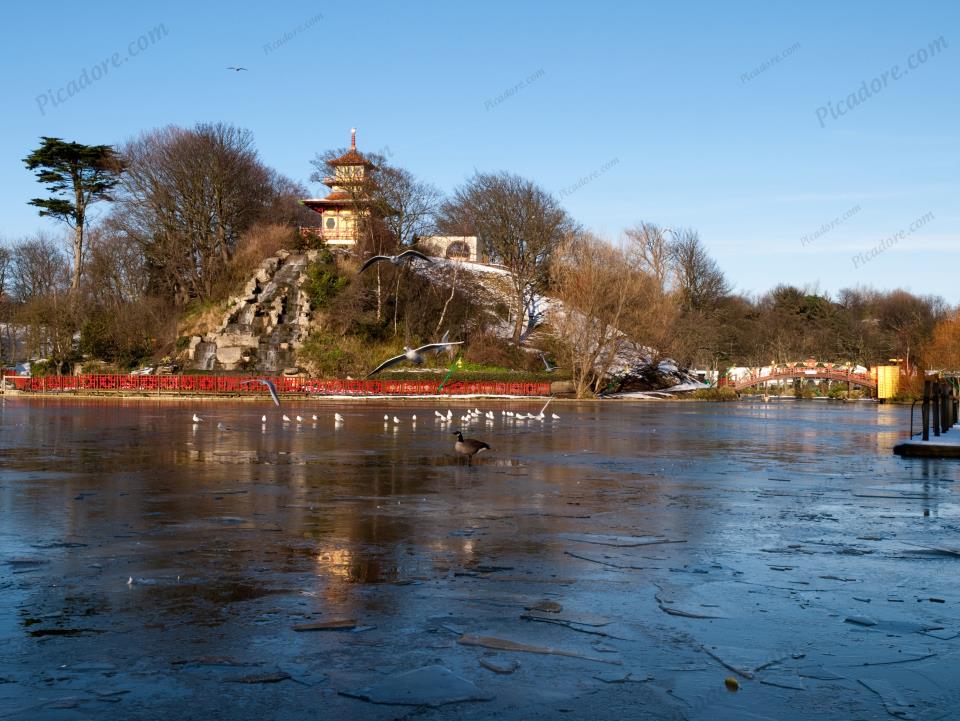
(335, 304)
(297, 315)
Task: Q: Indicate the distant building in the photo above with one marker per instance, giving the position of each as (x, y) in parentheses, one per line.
(454, 247)
(348, 200)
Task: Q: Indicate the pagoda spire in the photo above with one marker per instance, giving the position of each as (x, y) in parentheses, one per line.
(353, 138)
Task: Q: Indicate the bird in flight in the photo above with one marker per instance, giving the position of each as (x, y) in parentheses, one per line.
(235, 68)
(395, 259)
(547, 365)
(270, 387)
(414, 355)
(450, 350)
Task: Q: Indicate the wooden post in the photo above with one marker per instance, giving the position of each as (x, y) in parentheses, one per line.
(945, 404)
(935, 409)
(925, 410)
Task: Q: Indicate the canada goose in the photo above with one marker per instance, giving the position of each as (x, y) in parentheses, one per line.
(395, 259)
(468, 447)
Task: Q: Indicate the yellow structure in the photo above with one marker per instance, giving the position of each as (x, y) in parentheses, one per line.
(348, 199)
(888, 380)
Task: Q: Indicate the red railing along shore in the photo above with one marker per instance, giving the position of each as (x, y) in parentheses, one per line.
(241, 386)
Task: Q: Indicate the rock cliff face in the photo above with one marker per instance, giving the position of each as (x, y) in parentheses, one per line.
(265, 325)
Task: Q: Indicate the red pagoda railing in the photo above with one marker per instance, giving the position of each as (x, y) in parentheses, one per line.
(241, 386)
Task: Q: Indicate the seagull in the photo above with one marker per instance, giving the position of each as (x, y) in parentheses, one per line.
(197, 419)
(396, 420)
(299, 419)
(386, 418)
(468, 447)
(286, 418)
(263, 419)
(235, 68)
(270, 387)
(414, 418)
(414, 355)
(450, 350)
(395, 259)
(533, 320)
(555, 416)
(315, 417)
(338, 418)
(548, 367)
(221, 427)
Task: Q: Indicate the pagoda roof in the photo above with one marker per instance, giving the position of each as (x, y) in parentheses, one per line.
(351, 157)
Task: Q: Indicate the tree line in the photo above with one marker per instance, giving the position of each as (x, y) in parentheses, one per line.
(189, 212)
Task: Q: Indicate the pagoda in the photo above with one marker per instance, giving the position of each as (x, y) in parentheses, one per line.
(348, 200)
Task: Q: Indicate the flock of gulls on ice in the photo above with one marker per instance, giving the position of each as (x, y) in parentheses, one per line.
(467, 447)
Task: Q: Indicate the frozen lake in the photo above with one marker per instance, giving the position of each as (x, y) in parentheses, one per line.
(618, 563)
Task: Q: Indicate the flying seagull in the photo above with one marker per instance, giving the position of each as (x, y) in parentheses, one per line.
(414, 355)
(547, 365)
(235, 68)
(445, 340)
(270, 387)
(469, 447)
(395, 259)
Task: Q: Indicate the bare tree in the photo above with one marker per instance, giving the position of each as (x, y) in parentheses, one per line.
(698, 278)
(650, 252)
(600, 290)
(40, 285)
(38, 269)
(520, 225)
(6, 259)
(189, 195)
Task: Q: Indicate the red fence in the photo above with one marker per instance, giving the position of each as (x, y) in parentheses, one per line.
(241, 385)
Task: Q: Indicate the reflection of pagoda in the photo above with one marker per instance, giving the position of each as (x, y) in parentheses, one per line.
(348, 197)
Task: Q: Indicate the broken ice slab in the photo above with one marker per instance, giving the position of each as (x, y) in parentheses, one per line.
(939, 548)
(890, 625)
(335, 624)
(501, 667)
(269, 677)
(618, 541)
(545, 607)
(890, 698)
(505, 644)
(581, 619)
(428, 686)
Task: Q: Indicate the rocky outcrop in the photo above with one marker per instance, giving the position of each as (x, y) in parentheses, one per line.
(265, 324)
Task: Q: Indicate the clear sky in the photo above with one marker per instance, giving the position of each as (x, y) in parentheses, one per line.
(731, 118)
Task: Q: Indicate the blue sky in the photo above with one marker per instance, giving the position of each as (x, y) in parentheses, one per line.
(684, 103)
